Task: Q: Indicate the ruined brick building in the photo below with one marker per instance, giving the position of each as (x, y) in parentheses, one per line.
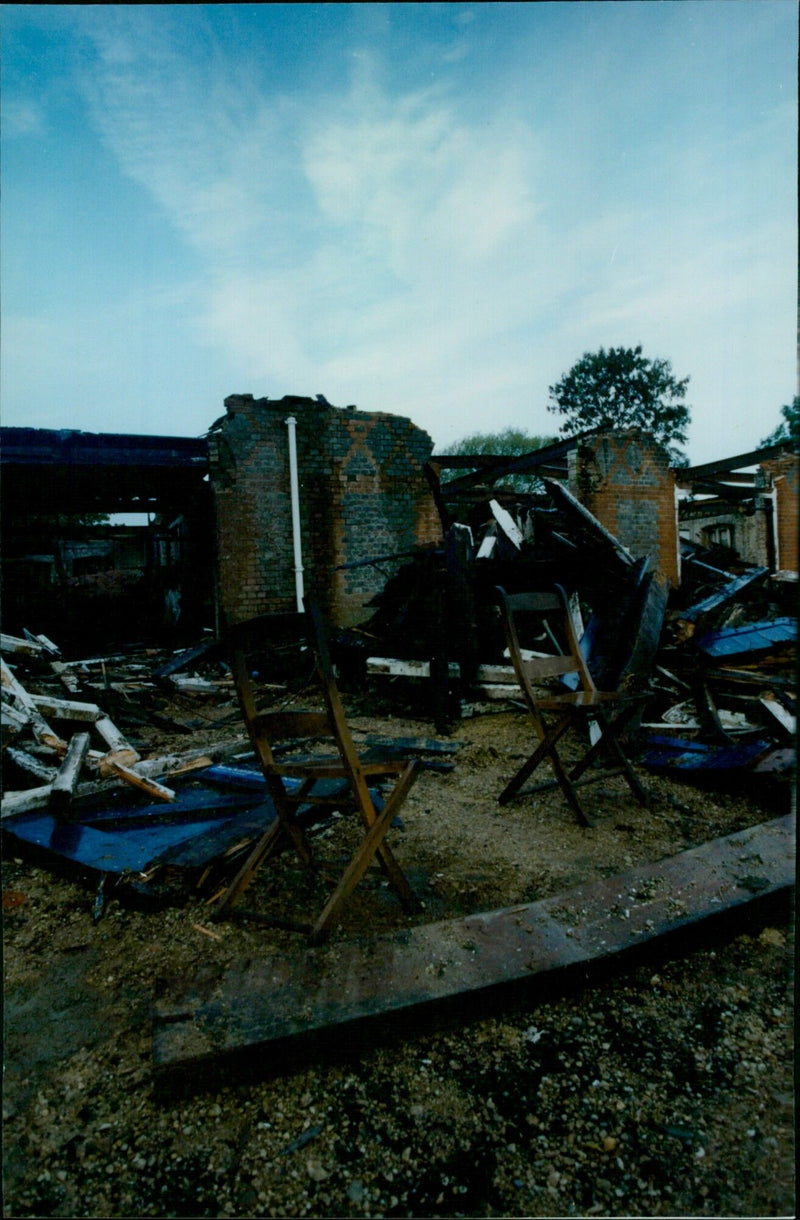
(362, 493)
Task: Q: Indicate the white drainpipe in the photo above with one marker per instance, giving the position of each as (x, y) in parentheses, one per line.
(291, 424)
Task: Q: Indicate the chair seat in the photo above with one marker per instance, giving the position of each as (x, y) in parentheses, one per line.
(332, 767)
(586, 699)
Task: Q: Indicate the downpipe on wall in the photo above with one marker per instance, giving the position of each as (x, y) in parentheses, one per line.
(294, 486)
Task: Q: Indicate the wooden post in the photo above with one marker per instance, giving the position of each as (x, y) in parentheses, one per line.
(66, 781)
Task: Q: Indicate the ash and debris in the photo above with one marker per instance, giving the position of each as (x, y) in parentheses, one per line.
(665, 1091)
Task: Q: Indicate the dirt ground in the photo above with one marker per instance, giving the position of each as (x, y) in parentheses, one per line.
(666, 1089)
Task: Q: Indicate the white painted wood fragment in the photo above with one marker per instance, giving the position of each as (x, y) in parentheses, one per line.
(13, 644)
(41, 728)
(64, 785)
(113, 738)
(67, 709)
(34, 766)
(507, 523)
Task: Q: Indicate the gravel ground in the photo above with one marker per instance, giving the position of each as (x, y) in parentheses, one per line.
(666, 1089)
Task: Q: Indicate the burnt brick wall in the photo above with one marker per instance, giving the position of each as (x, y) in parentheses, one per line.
(625, 480)
(363, 493)
(785, 476)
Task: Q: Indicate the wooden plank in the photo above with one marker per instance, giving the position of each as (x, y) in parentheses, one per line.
(67, 709)
(777, 712)
(27, 648)
(14, 719)
(151, 786)
(37, 798)
(24, 802)
(34, 766)
(182, 659)
(399, 668)
(94, 662)
(63, 787)
(68, 679)
(687, 620)
(48, 645)
(120, 751)
(498, 691)
(275, 1012)
(581, 516)
(188, 685)
(507, 524)
(751, 639)
(41, 728)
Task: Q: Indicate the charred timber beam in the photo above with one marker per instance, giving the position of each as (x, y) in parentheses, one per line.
(272, 1014)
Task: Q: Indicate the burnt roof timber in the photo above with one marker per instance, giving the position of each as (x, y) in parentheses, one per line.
(710, 487)
(48, 471)
(50, 446)
(687, 474)
(506, 465)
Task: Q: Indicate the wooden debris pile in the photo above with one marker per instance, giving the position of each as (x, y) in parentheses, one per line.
(717, 656)
(724, 684)
(114, 797)
(57, 728)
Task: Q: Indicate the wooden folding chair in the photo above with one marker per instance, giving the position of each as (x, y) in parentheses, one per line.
(267, 729)
(610, 710)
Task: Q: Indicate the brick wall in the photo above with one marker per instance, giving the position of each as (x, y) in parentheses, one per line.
(715, 523)
(363, 494)
(784, 473)
(625, 480)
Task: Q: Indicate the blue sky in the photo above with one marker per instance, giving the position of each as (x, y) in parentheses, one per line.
(432, 210)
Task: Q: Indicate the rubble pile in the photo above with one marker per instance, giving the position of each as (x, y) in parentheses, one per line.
(717, 656)
(131, 799)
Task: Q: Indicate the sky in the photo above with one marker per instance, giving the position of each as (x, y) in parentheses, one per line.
(432, 210)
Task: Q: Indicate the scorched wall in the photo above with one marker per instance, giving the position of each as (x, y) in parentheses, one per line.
(363, 493)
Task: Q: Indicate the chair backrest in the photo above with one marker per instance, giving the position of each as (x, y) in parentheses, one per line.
(550, 611)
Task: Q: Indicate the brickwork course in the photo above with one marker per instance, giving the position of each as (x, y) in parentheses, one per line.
(363, 494)
(784, 473)
(750, 525)
(625, 480)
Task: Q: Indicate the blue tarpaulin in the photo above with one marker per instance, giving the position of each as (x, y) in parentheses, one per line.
(752, 638)
(682, 754)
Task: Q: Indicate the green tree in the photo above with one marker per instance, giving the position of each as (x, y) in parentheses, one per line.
(620, 388)
(511, 442)
(789, 429)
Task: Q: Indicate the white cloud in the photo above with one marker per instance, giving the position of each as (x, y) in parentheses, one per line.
(22, 117)
(413, 252)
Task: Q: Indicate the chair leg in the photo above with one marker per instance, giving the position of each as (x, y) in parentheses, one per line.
(353, 873)
(546, 749)
(386, 857)
(635, 784)
(265, 847)
(527, 769)
(608, 741)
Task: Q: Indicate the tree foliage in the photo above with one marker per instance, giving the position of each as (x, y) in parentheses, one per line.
(620, 388)
(510, 442)
(789, 428)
